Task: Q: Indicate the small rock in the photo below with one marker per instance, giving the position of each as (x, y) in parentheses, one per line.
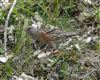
(4, 59)
(89, 39)
(27, 77)
(88, 1)
(37, 52)
(23, 77)
(43, 54)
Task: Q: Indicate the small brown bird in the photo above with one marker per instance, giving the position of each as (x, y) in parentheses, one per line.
(41, 36)
(47, 36)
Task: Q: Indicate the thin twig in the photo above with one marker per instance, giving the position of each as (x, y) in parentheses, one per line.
(6, 26)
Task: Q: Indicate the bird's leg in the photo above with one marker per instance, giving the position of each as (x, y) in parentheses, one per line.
(35, 45)
(45, 48)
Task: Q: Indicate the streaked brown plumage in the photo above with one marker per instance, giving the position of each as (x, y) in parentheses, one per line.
(47, 36)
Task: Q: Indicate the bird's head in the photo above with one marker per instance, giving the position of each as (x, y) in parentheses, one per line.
(32, 29)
